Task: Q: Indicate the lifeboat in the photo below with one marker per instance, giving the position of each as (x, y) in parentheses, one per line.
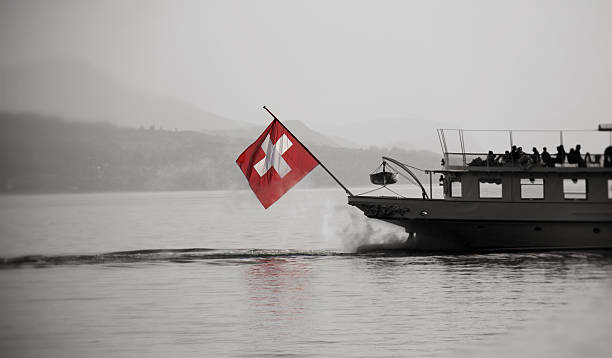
(383, 177)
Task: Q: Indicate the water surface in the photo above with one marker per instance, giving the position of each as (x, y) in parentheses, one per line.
(213, 274)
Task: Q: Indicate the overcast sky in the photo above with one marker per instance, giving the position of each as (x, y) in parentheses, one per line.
(471, 64)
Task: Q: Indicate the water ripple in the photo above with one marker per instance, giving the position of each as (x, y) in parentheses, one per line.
(462, 264)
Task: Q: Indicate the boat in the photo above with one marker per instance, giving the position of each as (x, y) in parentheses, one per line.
(383, 177)
(504, 201)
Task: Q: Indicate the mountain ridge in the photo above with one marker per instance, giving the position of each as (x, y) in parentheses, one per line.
(71, 88)
(48, 154)
(76, 90)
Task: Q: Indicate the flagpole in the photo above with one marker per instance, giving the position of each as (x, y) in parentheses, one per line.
(309, 152)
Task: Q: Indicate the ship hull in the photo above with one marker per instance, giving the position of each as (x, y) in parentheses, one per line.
(491, 235)
(441, 225)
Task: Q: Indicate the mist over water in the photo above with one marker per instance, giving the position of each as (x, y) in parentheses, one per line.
(357, 233)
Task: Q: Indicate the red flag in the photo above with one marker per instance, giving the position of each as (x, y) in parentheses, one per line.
(274, 163)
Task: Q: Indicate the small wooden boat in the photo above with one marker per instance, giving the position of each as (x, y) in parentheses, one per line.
(384, 177)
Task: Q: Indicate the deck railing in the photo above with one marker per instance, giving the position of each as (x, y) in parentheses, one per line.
(458, 146)
(456, 160)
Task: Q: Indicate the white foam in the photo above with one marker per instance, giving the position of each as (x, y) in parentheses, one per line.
(350, 229)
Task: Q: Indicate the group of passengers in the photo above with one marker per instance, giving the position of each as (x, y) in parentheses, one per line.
(516, 156)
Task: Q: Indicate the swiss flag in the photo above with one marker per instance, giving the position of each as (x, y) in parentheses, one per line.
(274, 163)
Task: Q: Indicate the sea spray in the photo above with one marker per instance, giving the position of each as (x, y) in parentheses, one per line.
(354, 232)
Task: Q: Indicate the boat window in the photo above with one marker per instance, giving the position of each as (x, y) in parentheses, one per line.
(455, 188)
(490, 188)
(609, 188)
(532, 188)
(574, 188)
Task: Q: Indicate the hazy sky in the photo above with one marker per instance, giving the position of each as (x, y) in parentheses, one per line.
(491, 64)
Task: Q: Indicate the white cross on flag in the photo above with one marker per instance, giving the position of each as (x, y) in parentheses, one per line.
(274, 163)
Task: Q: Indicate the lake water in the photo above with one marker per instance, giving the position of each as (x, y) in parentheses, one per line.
(212, 274)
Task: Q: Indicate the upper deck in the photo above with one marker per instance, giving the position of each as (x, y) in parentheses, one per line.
(492, 150)
(490, 171)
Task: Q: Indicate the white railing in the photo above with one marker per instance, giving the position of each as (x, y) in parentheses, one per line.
(462, 147)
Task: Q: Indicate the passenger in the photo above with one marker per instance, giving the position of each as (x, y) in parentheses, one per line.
(588, 159)
(560, 157)
(520, 153)
(608, 157)
(514, 154)
(535, 157)
(506, 159)
(525, 160)
(491, 159)
(498, 160)
(581, 162)
(547, 159)
(477, 162)
(571, 157)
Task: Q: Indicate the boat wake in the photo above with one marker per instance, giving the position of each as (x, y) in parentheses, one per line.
(257, 256)
(161, 255)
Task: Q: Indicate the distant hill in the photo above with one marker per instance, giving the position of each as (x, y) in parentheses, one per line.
(306, 135)
(74, 89)
(405, 133)
(46, 154)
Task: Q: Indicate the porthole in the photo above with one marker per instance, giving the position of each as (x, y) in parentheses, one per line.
(596, 230)
(537, 228)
